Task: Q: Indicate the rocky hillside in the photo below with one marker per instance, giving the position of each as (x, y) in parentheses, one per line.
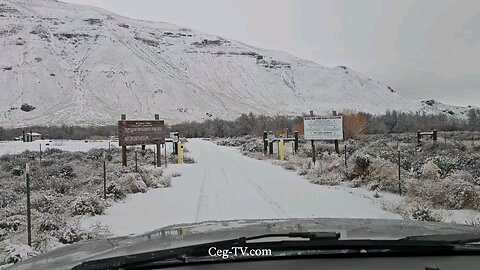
(73, 64)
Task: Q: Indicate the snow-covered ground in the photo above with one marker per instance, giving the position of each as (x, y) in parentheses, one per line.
(16, 147)
(225, 185)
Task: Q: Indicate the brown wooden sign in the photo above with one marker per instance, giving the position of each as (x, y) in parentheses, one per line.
(141, 132)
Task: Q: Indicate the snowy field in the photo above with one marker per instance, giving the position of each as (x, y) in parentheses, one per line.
(225, 185)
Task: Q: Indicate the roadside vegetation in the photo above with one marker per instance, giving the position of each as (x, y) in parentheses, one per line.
(434, 176)
(65, 188)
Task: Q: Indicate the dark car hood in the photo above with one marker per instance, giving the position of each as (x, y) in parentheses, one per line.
(189, 234)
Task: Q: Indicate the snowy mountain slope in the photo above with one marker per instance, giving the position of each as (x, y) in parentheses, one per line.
(73, 64)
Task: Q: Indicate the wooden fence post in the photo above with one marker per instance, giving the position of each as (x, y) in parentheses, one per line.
(265, 142)
(399, 173)
(314, 158)
(124, 148)
(165, 151)
(295, 143)
(136, 161)
(159, 152)
(104, 176)
(29, 218)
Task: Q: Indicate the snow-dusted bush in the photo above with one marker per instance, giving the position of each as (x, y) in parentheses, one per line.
(154, 178)
(460, 175)
(18, 252)
(114, 190)
(132, 183)
(188, 160)
(327, 171)
(430, 170)
(418, 210)
(47, 223)
(355, 183)
(288, 165)
(457, 194)
(304, 168)
(87, 205)
(382, 175)
(70, 233)
(449, 193)
(13, 223)
(8, 197)
(424, 212)
(327, 178)
(44, 203)
(360, 162)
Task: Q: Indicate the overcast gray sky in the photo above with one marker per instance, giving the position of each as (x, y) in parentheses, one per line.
(423, 49)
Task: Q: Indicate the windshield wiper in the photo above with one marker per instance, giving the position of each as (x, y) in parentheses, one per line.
(454, 238)
(317, 243)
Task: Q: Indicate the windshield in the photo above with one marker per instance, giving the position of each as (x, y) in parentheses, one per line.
(199, 118)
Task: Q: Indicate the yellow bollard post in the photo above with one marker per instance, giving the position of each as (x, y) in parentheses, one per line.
(180, 153)
(282, 149)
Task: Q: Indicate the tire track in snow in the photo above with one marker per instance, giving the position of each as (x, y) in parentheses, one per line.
(201, 197)
(275, 206)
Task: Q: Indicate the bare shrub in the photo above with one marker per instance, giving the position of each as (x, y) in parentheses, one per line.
(355, 124)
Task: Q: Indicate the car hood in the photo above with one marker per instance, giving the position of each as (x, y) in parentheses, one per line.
(197, 233)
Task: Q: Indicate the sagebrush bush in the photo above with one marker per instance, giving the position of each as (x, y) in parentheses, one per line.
(132, 183)
(87, 205)
(361, 162)
(430, 170)
(382, 175)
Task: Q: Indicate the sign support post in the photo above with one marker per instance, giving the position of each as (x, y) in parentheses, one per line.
(165, 150)
(337, 149)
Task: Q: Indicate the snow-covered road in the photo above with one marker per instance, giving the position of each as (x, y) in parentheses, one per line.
(225, 185)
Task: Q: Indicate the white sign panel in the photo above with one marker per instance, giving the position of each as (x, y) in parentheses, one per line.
(323, 128)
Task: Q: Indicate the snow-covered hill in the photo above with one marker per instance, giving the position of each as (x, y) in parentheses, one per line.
(71, 64)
